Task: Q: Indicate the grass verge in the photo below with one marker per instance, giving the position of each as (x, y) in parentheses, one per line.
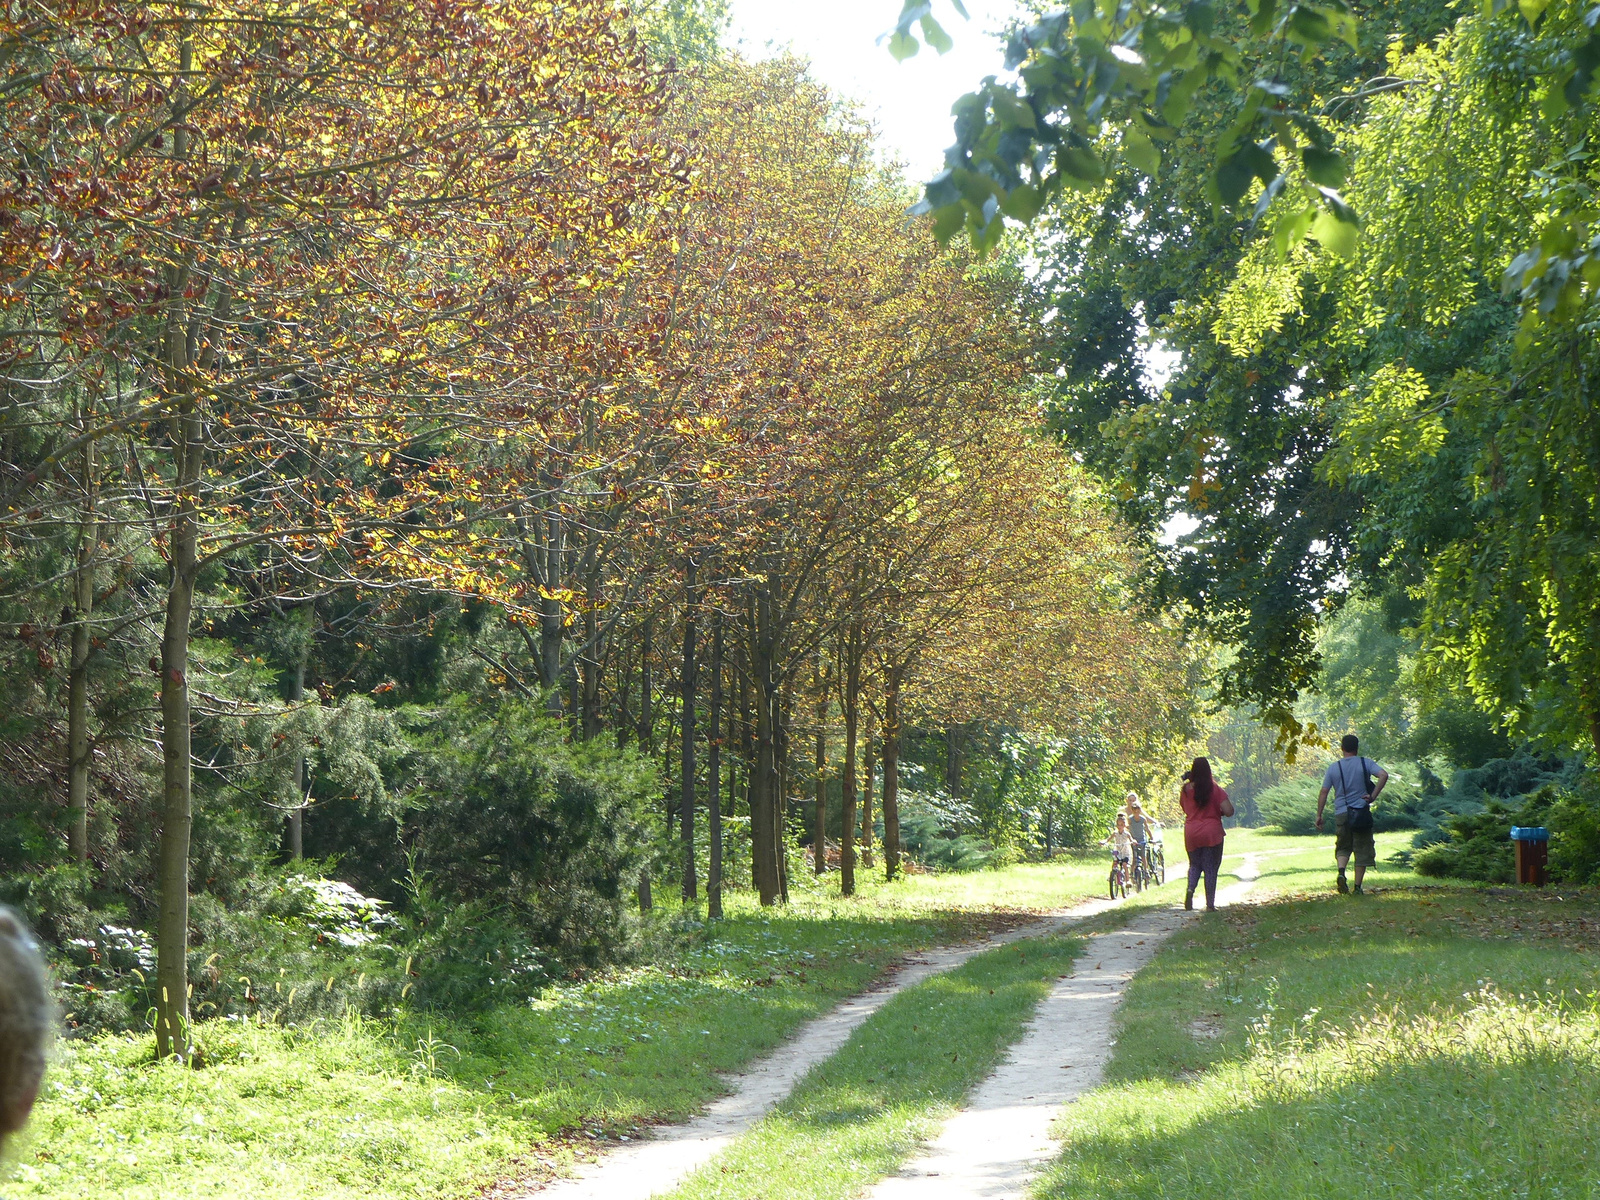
(1433, 1042)
(857, 1117)
(439, 1106)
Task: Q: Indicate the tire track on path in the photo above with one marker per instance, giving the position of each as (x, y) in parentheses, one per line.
(992, 1148)
(660, 1162)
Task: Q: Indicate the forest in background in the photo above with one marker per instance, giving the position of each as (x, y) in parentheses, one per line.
(469, 481)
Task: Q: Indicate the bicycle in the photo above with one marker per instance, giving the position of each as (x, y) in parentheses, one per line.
(1157, 861)
(1118, 881)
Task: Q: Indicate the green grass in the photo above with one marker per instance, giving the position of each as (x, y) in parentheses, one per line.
(437, 1108)
(855, 1118)
(1033, 887)
(1418, 1042)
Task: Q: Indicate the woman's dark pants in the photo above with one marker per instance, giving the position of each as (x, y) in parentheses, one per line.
(1207, 859)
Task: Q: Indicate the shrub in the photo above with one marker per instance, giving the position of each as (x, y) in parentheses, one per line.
(547, 836)
(936, 831)
(1574, 821)
(1479, 845)
(1504, 779)
(1292, 806)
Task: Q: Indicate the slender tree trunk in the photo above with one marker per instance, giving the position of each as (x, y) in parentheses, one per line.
(646, 716)
(552, 625)
(891, 776)
(763, 837)
(747, 763)
(691, 883)
(297, 822)
(955, 758)
(765, 801)
(819, 843)
(785, 750)
(590, 662)
(172, 924)
(669, 789)
(589, 676)
(868, 763)
(847, 809)
(714, 773)
(78, 748)
(646, 735)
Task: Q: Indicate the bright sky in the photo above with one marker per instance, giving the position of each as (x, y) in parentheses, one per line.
(910, 101)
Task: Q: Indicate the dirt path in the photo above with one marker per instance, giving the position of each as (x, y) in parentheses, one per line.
(658, 1164)
(993, 1146)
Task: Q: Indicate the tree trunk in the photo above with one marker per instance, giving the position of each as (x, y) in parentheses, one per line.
(714, 773)
(954, 759)
(646, 717)
(646, 740)
(891, 777)
(739, 764)
(763, 837)
(764, 810)
(747, 761)
(590, 662)
(868, 763)
(297, 823)
(552, 626)
(819, 839)
(78, 749)
(172, 924)
(847, 809)
(669, 789)
(785, 746)
(691, 883)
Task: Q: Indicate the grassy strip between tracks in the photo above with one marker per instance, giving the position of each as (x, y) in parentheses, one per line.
(441, 1105)
(855, 1118)
(1420, 1042)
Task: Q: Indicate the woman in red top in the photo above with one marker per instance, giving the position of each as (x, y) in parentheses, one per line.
(1204, 805)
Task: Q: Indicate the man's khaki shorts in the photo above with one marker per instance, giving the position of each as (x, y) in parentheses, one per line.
(1357, 844)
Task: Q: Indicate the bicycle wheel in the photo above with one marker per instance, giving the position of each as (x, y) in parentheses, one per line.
(1161, 866)
(1111, 883)
(1138, 871)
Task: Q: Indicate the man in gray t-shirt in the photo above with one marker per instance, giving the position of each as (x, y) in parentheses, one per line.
(1347, 780)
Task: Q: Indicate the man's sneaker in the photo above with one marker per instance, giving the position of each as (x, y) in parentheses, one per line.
(1357, 890)
(1343, 885)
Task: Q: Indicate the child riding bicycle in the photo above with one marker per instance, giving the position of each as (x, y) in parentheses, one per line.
(1120, 841)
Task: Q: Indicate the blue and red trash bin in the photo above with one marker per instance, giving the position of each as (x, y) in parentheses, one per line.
(1531, 845)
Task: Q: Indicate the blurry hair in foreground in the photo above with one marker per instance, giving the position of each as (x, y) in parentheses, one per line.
(26, 1023)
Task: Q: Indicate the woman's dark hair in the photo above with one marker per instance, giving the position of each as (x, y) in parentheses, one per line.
(1203, 786)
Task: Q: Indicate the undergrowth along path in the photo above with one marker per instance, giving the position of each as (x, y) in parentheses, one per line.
(656, 1165)
(994, 1146)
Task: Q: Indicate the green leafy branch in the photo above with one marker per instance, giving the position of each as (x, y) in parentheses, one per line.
(1118, 77)
(918, 14)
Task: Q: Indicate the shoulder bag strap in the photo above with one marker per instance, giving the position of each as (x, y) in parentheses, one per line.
(1343, 778)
